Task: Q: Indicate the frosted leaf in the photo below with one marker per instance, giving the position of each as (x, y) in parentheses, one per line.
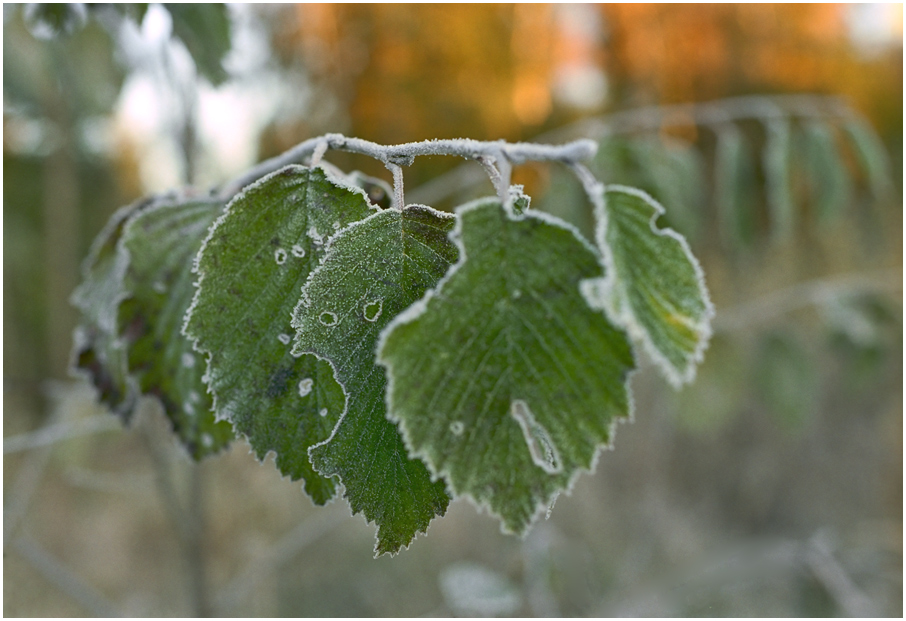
(778, 179)
(735, 187)
(97, 352)
(161, 242)
(653, 286)
(328, 318)
(372, 310)
(872, 156)
(829, 181)
(393, 257)
(542, 450)
(241, 316)
(538, 379)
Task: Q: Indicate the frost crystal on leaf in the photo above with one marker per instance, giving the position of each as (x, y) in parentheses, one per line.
(241, 315)
(161, 242)
(537, 378)
(653, 286)
(373, 269)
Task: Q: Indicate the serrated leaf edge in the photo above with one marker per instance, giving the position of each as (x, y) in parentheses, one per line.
(419, 307)
(221, 413)
(305, 300)
(599, 293)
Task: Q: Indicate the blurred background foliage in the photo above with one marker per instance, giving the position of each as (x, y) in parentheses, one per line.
(770, 486)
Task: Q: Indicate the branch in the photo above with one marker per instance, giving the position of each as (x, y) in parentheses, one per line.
(405, 154)
(818, 291)
(63, 578)
(59, 432)
(713, 114)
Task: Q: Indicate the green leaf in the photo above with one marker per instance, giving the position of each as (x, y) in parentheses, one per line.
(96, 350)
(503, 380)
(374, 269)
(161, 242)
(205, 31)
(378, 191)
(673, 172)
(51, 19)
(777, 156)
(787, 380)
(735, 187)
(134, 10)
(828, 179)
(654, 286)
(872, 156)
(252, 267)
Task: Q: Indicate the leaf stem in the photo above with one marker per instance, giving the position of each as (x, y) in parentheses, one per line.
(399, 201)
(594, 189)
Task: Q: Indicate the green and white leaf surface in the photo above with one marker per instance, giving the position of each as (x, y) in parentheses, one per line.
(373, 270)
(161, 242)
(503, 379)
(654, 286)
(253, 265)
(96, 349)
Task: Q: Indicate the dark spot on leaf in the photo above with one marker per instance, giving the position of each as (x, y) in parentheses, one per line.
(278, 382)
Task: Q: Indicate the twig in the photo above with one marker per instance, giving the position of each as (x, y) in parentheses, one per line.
(849, 597)
(194, 544)
(51, 434)
(399, 201)
(284, 550)
(63, 578)
(594, 189)
(797, 296)
(405, 154)
(710, 114)
(713, 115)
(187, 518)
(28, 478)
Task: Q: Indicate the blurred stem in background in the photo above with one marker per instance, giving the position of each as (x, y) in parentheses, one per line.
(61, 221)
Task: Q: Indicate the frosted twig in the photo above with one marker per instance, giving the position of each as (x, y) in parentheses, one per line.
(849, 597)
(399, 200)
(284, 550)
(405, 154)
(487, 162)
(593, 188)
(817, 291)
(63, 578)
(58, 432)
(712, 114)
